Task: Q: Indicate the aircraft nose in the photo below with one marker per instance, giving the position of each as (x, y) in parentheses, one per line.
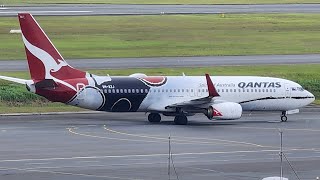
(311, 96)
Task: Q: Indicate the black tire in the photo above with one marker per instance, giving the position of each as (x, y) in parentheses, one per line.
(284, 118)
(181, 120)
(154, 118)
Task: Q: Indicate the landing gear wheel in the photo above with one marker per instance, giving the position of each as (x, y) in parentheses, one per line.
(284, 118)
(181, 120)
(154, 118)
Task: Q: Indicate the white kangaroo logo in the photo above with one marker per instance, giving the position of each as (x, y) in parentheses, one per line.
(48, 61)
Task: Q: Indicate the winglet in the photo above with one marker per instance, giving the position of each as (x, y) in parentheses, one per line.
(212, 90)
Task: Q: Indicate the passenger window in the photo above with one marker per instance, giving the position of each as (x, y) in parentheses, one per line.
(117, 90)
(146, 91)
(251, 90)
(125, 90)
(274, 90)
(121, 90)
(182, 90)
(174, 90)
(226, 90)
(255, 90)
(178, 90)
(266, 90)
(239, 90)
(109, 90)
(133, 91)
(202, 90)
(105, 90)
(262, 90)
(244, 90)
(113, 91)
(166, 90)
(259, 90)
(248, 90)
(141, 90)
(218, 90)
(129, 90)
(137, 90)
(191, 90)
(187, 90)
(162, 90)
(170, 90)
(222, 90)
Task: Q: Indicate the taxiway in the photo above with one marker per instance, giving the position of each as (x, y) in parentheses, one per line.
(139, 9)
(126, 146)
(156, 62)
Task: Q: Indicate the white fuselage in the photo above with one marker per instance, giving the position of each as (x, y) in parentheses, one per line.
(251, 92)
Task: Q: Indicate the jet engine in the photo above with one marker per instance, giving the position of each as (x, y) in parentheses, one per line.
(224, 110)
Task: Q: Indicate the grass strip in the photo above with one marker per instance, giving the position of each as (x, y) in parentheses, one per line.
(157, 1)
(171, 35)
(15, 98)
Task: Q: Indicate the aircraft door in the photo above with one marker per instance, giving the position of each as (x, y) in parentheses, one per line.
(287, 91)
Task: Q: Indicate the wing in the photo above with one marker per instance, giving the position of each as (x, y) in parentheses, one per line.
(197, 103)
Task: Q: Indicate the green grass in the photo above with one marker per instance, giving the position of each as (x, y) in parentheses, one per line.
(158, 1)
(15, 98)
(171, 35)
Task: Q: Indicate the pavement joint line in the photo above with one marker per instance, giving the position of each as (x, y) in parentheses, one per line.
(67, 173)
(155, 155)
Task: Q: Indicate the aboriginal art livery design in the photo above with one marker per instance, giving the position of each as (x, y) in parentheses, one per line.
(119, 97)
(154, 80)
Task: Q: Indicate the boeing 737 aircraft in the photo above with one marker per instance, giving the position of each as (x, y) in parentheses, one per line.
(217, 97)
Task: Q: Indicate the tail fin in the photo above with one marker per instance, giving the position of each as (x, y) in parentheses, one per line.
(44, 60)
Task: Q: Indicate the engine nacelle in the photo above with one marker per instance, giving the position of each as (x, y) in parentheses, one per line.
(224, 110)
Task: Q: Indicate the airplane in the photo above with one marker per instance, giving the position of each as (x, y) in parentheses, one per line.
(217, 97)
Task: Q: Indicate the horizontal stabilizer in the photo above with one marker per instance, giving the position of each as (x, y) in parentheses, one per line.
(16, 80)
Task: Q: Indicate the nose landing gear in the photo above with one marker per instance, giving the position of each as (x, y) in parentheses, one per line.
(284, 117)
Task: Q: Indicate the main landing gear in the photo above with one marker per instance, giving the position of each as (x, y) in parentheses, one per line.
(181, 120)
(284, 117)
(154, 117)
(178, 119)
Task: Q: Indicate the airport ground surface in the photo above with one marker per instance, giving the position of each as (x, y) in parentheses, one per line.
(126, 146)
(156, 62)
(108, 9)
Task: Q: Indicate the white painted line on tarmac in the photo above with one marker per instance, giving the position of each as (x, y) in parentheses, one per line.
(154, 155)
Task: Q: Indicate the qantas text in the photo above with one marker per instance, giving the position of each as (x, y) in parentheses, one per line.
(259, 85)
